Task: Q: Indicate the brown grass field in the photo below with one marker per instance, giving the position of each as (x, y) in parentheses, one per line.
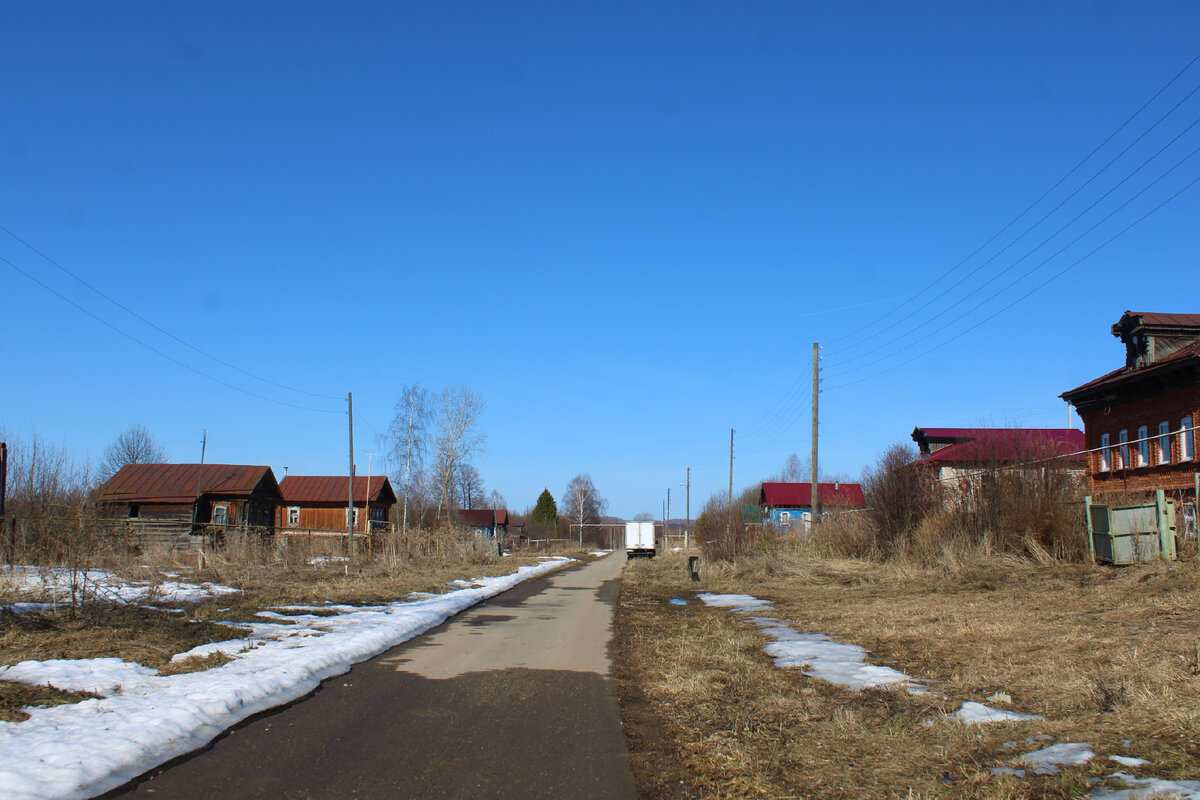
(1109, 656)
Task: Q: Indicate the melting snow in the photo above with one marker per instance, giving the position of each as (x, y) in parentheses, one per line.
(56, 581)
(813, 653)
(1146, 788)
(978, 714)
(1128, 761)
(83, 749)
(1047, 760)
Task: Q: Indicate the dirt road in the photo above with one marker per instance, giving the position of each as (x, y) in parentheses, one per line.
(511, 699)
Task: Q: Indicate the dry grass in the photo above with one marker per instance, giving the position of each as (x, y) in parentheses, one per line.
(1104, 655)
(17, 696)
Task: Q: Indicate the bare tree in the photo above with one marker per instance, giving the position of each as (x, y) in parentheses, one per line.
(44, 479)
(470, 490)
(582, 501)
(458, 438)
(135, 445)
(406, 439)
(496, 500)
(643, 516)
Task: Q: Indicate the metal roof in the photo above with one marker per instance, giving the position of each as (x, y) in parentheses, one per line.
(1184, 356)
(298, 489)
(991, 445)
(1156, 318)
(182, 483)
(799, 495)
(478, 517)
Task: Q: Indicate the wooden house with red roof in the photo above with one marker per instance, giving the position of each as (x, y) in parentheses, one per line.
(788, 504)
(319, 503)
(1139, 419)
(180, 499)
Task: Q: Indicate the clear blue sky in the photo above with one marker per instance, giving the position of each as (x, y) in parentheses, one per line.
(624, 224)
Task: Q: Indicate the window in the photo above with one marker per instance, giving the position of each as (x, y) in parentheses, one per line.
(355, 516)
(378, 513)
(1187, 440)
(785, 517)
(219, 515)
(1105, 452)
(1123, 438)
(1143, 446)
(1164, 442)
(134, 510)
(293, 515)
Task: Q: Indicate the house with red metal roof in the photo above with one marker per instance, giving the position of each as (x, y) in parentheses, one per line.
(955, 458)
(178, 500)
(1139, 419)
(489, 523)
(320, 503)
(788, 504)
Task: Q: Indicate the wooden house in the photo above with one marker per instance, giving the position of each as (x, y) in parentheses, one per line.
(1139, 420)
(319, 503)
(174, 500)
(489, 523)
(786, 504)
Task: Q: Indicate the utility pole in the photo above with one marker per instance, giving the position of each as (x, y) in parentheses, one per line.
(816, 372)
(727, 516)
(668, 509)
(367, 499)
(350, 483)
(687, 531)
(200, 475)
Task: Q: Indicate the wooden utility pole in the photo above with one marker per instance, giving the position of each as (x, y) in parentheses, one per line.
(816, 372)
(350, 485)
(687, 531)
(3, 474)
(668, 509)
(200, 477)
(729, 513)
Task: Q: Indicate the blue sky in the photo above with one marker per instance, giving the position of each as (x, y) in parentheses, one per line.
(623, 224)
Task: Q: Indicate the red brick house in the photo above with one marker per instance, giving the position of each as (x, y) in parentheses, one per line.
(1140, 419)
(318, 503)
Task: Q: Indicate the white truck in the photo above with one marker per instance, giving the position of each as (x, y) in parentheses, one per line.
(639, 540)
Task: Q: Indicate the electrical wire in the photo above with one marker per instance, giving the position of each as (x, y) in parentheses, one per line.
(162, 330)
(156, 351)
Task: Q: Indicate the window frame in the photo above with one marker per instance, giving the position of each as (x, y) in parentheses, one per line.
(1106, 452)
(1164, 442)
(1123, 447)
(1143, 445)
(293, 517)
(1187, 439)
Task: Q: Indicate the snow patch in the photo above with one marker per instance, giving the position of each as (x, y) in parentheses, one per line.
(979, 714)
(57, 581)
(1129, 761)
(1069, 754)
(143, 719)
(813, 653)
(1146, 788)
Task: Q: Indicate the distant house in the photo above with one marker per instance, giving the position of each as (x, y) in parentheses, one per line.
(180, 499)
(486, 522)
(1140, 419)
(788, 504)
(950, 452)
(320, 503)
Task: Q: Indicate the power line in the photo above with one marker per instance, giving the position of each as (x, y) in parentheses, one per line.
(162, 330)
(155, 350)
(1045, 241)
(1041, 285)
(1019, 216)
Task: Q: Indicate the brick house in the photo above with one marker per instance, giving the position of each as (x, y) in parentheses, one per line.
(1140, 419)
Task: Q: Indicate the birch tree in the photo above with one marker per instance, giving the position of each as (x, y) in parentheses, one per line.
(458, 436)
(407, 437)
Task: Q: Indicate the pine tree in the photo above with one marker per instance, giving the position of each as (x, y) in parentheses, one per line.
(546, 510)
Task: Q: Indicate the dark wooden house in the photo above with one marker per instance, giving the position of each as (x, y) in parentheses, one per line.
(319, 503)
(1140, 418)
(169, 500)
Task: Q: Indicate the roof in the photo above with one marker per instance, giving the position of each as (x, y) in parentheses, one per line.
(298, 489)
(1160, 319)
(181, 483)
(799, 495)
(991, 445)
(501, 516)
(1184, 356)
(478, 517)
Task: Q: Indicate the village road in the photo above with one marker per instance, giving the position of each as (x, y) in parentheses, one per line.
(511, 699)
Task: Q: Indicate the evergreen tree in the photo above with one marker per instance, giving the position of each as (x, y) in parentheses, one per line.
(546, 510)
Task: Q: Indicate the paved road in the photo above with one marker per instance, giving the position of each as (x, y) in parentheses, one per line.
(511, 699)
